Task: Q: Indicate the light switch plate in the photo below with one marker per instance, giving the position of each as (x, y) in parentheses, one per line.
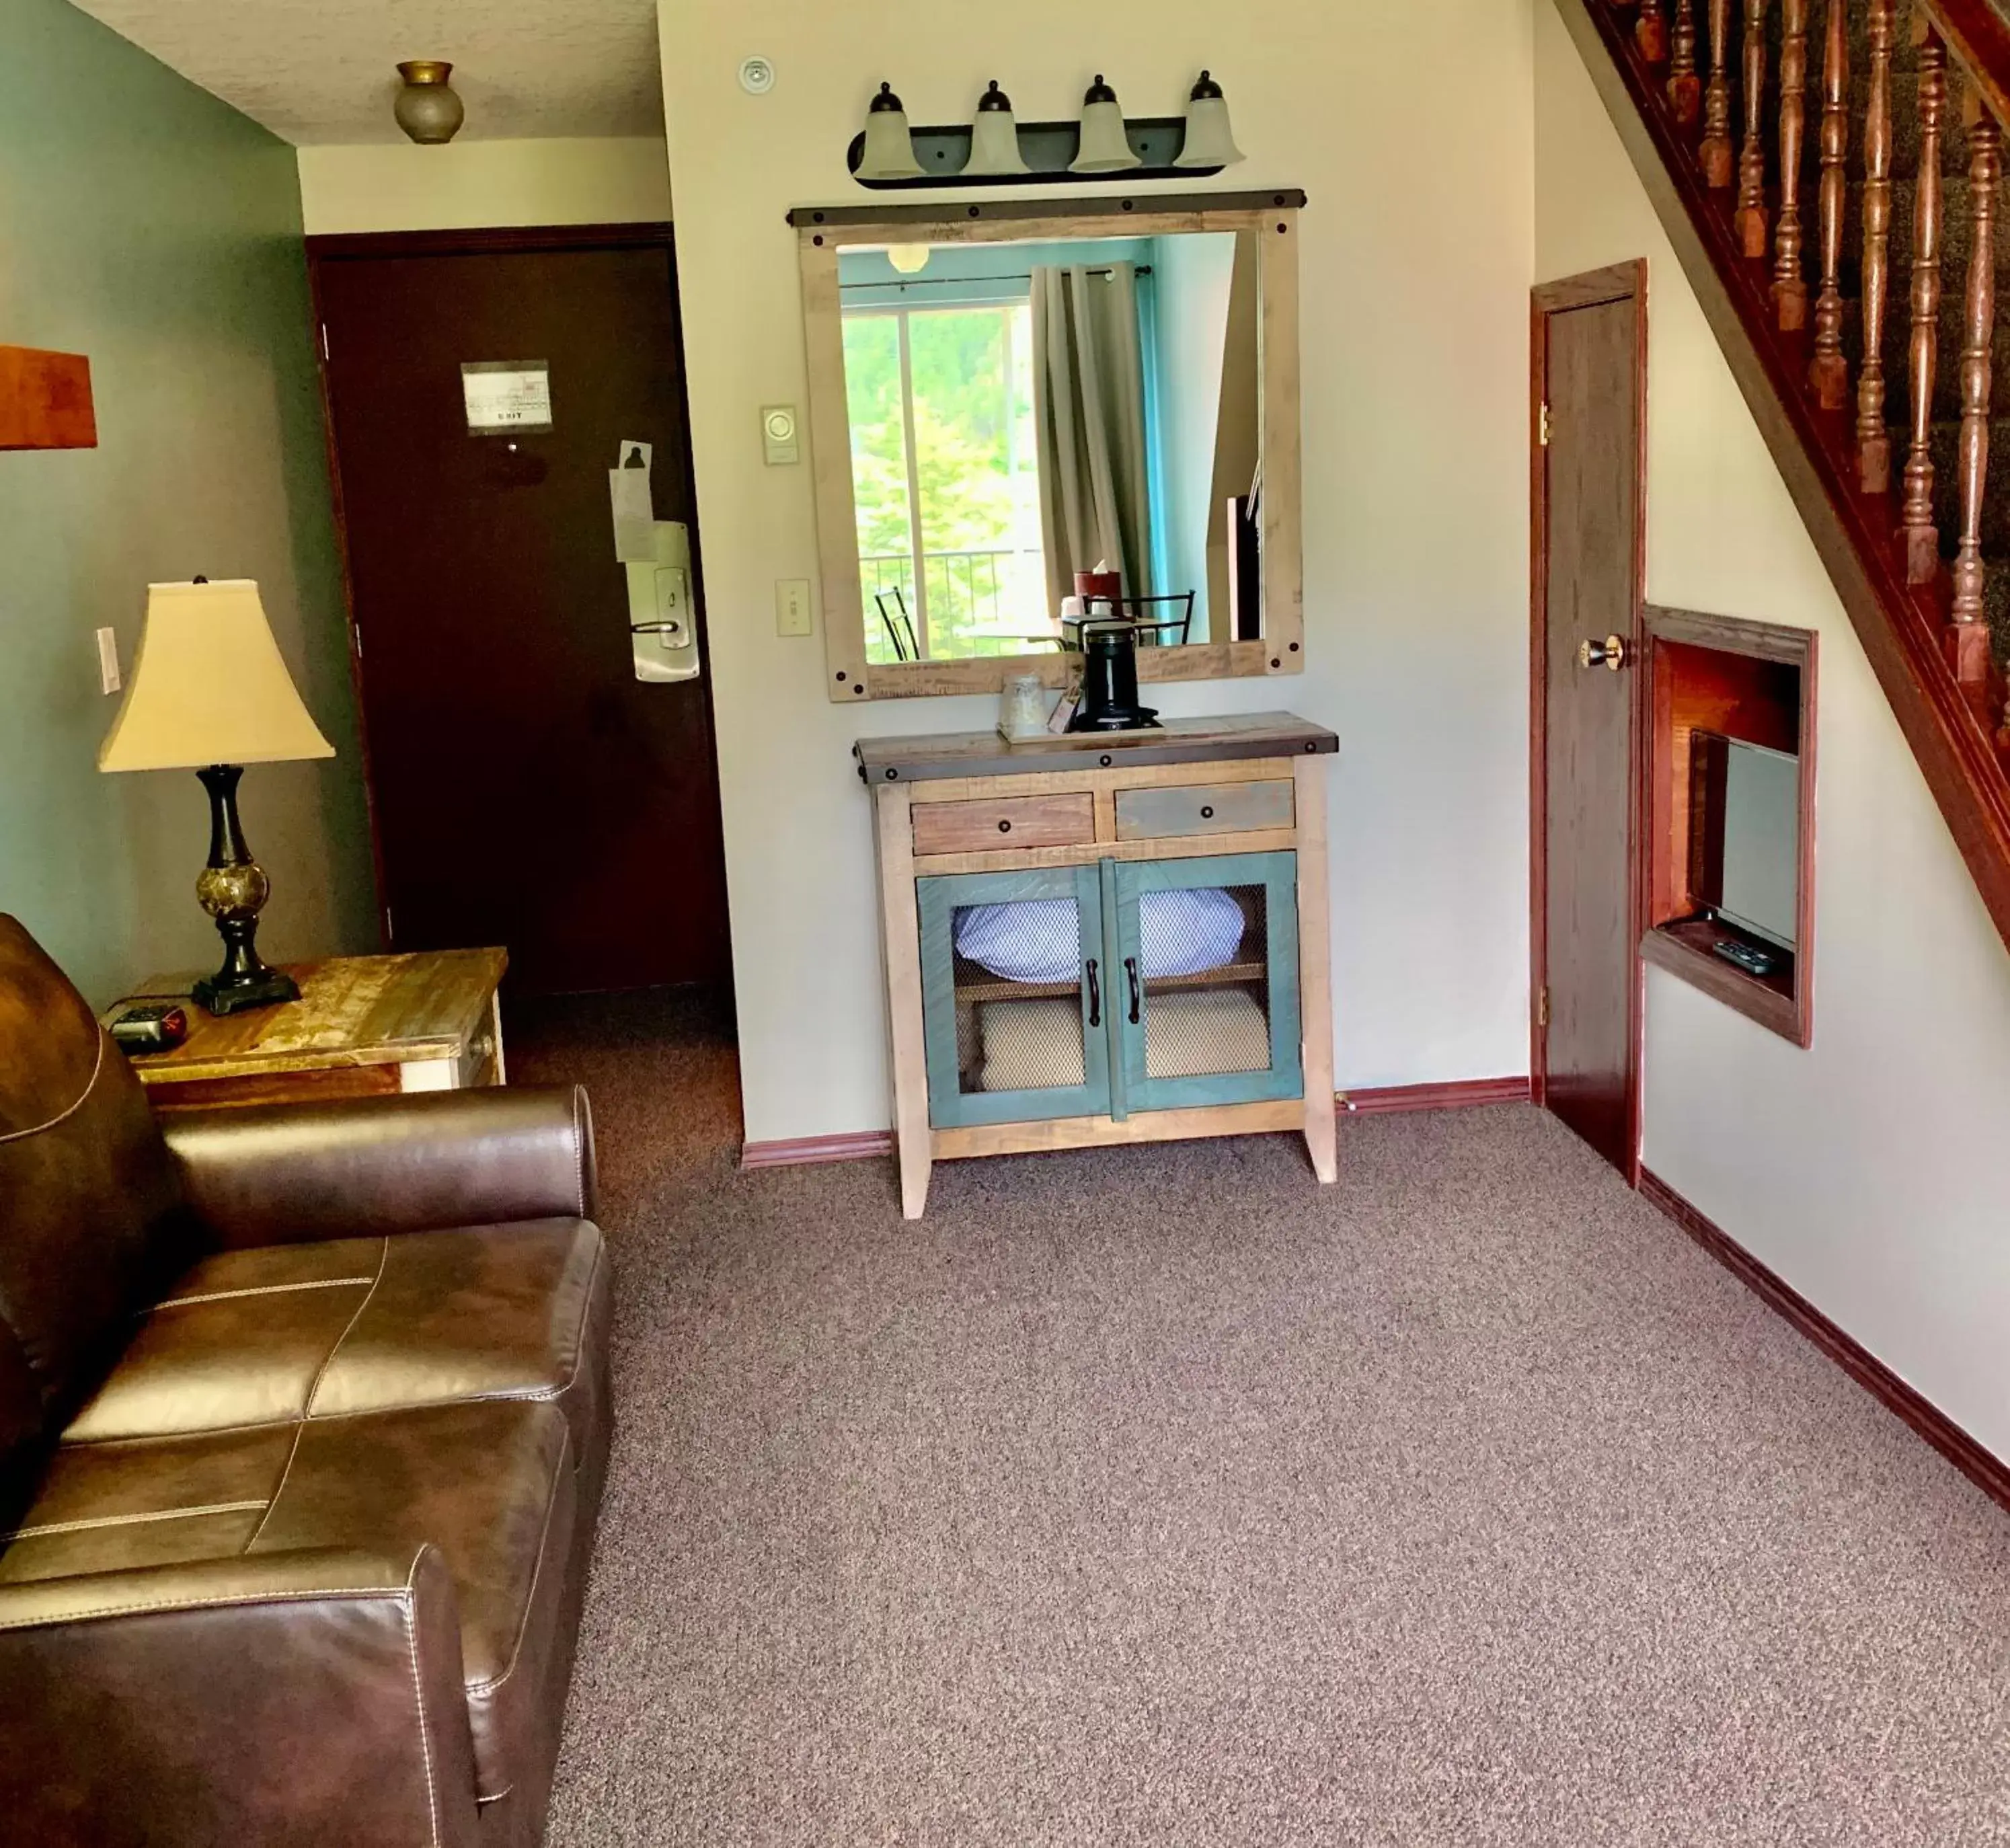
(780, 441)
(107, 660)
(792, 606)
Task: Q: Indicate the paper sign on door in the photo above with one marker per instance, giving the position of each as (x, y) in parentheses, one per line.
(506, 394)
(634, 510)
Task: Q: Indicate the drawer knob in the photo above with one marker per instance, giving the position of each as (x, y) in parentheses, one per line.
(1207, 811)
(1004, 827)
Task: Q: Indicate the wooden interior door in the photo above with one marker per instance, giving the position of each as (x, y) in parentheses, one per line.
(526, 788)
(1589, 375)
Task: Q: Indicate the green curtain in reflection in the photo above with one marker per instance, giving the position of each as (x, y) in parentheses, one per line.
(1088, 410)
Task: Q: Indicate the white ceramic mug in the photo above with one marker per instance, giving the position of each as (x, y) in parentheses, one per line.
(1022, 707)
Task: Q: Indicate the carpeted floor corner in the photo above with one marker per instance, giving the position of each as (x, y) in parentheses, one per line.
(1161, 1497)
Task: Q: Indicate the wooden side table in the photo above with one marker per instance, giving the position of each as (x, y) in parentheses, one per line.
(364, 1026)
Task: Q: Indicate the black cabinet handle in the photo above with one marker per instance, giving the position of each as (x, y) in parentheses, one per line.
(1004, 827)
(1095, 996)
(1207, 811)
(1131, 969)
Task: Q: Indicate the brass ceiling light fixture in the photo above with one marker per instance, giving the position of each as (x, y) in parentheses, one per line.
(427, 109)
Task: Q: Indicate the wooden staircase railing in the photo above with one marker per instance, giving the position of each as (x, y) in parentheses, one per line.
(1805, 316)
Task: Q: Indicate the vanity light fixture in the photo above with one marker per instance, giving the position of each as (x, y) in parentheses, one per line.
(1208, 142)
(427, 109)
(994, 137)
(909, 259)
(1104, 147)
(889, 153)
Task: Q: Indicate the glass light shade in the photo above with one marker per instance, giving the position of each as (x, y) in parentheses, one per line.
(890, 152)
(427, 110)
(994, 137)
(909, 259)
(1208, 142)
(1105, 147)
(208, 687)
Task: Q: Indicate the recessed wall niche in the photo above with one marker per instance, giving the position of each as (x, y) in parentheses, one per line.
(1730, 820)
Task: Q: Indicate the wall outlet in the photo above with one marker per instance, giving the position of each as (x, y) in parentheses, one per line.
(107, 660)
(792, 606)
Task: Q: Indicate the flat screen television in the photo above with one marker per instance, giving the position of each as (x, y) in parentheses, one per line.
(1745, 840)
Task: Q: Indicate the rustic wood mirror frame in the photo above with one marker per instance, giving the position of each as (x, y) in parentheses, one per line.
(823, 233)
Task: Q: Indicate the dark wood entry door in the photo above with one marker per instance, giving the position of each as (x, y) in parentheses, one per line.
(527, 790)
(1590, 376)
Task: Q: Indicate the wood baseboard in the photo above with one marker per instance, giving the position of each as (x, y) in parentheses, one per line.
(1987, 1472)
(1460, 1095)
(860, 1146)
(863, 1144)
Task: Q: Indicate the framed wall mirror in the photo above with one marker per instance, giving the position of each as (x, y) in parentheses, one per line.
(1002, 395)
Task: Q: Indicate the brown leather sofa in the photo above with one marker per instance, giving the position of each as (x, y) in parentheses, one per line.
(303, 1417)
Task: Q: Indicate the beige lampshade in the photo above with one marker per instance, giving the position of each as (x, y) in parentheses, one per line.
(208, 687)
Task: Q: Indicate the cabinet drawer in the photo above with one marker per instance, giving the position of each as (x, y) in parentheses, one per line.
(1005, 823)
(1203, 808)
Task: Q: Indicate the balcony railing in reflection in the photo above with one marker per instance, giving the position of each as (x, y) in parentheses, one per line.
(966, 603)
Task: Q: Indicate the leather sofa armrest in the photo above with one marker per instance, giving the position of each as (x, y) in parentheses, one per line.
(278, 1174)
(312, 1697)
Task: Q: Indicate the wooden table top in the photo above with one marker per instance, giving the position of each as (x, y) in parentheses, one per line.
(1178, 740)
(352, 1011)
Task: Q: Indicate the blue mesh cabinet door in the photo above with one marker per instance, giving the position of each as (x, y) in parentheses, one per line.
(1205, 988)
(1014, 996)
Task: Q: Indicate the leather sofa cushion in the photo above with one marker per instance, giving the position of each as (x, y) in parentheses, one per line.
(490, 1483)
(148, 1501)
(89, 1201)
(277, 1333)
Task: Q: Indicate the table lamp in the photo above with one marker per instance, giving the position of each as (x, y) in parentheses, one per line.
(210, 694)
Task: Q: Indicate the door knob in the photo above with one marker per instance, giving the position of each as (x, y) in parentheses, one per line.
(1610, 653)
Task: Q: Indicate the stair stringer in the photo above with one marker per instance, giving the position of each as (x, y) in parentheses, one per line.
(1900, 633)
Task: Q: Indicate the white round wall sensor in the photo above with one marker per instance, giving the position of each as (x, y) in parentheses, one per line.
(757, 77)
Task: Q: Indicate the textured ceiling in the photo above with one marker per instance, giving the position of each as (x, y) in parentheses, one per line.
(324, 70)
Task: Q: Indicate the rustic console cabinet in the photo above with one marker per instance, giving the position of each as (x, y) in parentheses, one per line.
(1104, 939)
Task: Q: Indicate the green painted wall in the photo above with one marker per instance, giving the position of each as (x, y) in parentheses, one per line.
(144, 223)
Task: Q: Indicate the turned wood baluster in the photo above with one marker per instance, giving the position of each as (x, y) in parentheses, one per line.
(1650, 31)
(1873, 436)
(1790, 288)
(1828, 372)
(1713, 151)
(1967, 639)
(1752, 156)
(1916, 518)
(1685, 89)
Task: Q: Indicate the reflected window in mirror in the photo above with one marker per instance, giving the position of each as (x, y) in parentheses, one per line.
(1020, 412)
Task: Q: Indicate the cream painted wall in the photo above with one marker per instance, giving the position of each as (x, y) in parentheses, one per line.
(401, 186)
(1415, 276)
(1870, 1171)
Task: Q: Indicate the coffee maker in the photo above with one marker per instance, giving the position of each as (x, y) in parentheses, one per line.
(1109, 678)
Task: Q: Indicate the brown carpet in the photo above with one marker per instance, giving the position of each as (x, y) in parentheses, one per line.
(1161, 1497)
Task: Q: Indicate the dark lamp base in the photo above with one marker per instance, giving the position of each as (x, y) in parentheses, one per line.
(268, 987)
(232, 888)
